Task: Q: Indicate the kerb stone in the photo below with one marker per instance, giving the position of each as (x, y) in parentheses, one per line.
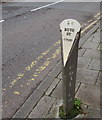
(42, 108)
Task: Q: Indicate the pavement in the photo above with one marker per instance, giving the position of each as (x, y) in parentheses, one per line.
(44, 101)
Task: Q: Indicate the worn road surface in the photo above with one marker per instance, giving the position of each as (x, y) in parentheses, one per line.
(31, 47)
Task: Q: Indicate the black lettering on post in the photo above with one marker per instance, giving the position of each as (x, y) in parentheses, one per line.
(67, 39)
(71, 30)
(68, 33)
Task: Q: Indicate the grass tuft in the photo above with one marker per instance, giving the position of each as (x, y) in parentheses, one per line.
(76, 110)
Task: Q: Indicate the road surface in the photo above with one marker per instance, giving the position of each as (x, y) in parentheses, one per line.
(31, 46)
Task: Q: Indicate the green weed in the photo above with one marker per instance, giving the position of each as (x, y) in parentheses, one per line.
(73, 112)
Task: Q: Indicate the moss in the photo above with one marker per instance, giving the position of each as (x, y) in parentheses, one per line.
(100, 47)
(76, 110)
(61, 112)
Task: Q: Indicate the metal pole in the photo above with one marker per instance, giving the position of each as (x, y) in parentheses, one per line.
(70, 30)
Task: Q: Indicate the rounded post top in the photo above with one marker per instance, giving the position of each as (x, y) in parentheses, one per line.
(69, 29)
(72, 23)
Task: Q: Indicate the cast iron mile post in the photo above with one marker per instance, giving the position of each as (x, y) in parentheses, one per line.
(70, 30)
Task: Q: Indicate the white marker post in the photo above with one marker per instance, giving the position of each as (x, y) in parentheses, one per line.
(70, 30)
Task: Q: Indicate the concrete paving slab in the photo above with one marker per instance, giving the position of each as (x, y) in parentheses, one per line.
(98, 83)
(46, 83)
(52, 87)
(96, 38)
(60, 76)
(90, 38)
(53, 113)
(89, 95)
(90, 45)
(86, 76)
(99, 76)
(95, 65)
(81, 52)
(83, 62)
(42, 108)
(56, 70)
(100, 47)
(92, 54)
(57, 93)
(93, 112)
(99, 79)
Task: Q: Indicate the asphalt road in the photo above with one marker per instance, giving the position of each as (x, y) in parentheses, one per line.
(30, 47)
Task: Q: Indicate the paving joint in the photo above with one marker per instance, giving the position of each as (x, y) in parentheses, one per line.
(54, 89)
(97, 78)
(78, 88)
(35, 106)
(51, 107)
(89, 63)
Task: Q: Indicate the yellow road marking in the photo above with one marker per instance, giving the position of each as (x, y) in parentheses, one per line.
(34, 75)
(90, 20)
(32, 79)
(13, 82)
(20, 75)
(17, 92)
(90, 25)
(29, 67)
(28, 83)
(45, 64)
(4, 89)
(97, 14)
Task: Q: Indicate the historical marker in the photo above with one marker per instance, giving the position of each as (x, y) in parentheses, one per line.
(70, 30)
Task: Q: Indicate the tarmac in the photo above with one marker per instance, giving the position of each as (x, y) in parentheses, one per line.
(45, 100)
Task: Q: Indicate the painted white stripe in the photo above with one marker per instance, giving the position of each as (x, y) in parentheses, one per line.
(46, 6)
(2, 21)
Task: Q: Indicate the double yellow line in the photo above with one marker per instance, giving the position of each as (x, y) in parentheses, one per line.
(94, 22)
(29, 67)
